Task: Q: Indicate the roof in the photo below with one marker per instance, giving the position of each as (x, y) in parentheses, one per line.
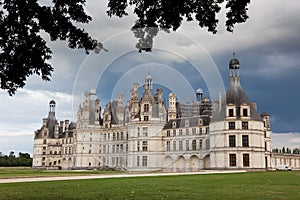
(193, 121)
(237, 96)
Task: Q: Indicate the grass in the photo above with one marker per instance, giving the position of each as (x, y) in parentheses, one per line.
(252, 185)
(22, 172)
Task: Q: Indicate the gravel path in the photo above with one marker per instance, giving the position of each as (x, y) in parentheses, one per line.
(35, 179)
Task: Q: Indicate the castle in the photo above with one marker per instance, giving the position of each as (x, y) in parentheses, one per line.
(146, 135)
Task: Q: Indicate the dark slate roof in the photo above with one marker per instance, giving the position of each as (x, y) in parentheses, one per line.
(193, 121)
(237, 96)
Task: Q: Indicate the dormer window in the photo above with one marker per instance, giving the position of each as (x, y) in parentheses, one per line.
(174, 125)
(187, 123)
(200, 122)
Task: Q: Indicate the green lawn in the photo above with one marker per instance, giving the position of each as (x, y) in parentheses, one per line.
(15, 172)
(252, 185)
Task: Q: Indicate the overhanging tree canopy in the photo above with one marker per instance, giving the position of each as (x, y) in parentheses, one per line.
(23, 52)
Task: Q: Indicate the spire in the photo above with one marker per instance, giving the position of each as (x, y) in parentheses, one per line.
(234, 66)
(148, 81)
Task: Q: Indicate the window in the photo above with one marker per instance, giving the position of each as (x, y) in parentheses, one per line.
(231, 125)
(244, 125)
(90, 151)
(174, 145)
(245, 141)
(207, 144)
(231, 140)
(187, 145)
(168, 145)
(91, 139)
(145, 145)
(194, 131)
(138, 145)
(44, 141)
(145, 131)
(168, 133)
(194, 145)
(200, 131)
(180, 132)
(230, 113)
(246, 162)
(187, 131)
(200, 143)
(114, 136)
(245, 112)
(180, 145)
(174, 132)
(146, 118)
(146, 108)
(144, 161)
(138, 161)
(232, 160)
(266, 147)
(207, 130)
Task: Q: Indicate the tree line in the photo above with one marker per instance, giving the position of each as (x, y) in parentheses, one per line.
(286, 150)
(11, 160)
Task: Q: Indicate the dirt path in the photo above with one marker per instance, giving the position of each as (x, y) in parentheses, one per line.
(35, 179)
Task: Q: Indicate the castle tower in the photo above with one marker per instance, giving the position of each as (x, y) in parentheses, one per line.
(172, 106)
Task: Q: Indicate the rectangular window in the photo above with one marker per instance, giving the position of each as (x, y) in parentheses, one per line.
(231, 125)
(144, 161)
(207, 144)
(168, 133)
(146, 118)
(145, 145)
(187, 145)
(246, 160)
(200, 143)
(145, 131)
(232, 160)
(245, 141)
(244, 125)
(207, 130)
(200, 131)
(146, 108)
(180, 145)
(245, 112)
(194, 145)
(232, 141)
(180, 132)
(187, 131)
(138, 161)
(138, 145)
(174, 145)
(231, 114)
(174, 132)
(266, 149)
(194, 131)
(114, 136)
(168, 145)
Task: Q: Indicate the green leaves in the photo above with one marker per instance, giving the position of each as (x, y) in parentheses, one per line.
(23, 52)
(169, 14)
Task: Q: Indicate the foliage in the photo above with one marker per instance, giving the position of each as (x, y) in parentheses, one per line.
(169, 14)
(286, 150)
(23, 52)
(11, 160)
(258, 185)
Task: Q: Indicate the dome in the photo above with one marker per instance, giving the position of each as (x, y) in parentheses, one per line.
(199, 91)
(52, 102)
(234, 63)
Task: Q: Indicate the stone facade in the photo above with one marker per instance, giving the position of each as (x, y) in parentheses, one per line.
(146, 135)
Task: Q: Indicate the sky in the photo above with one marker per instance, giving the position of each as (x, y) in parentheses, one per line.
(267, 46)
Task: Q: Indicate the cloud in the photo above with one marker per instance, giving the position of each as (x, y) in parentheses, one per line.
(290, 140)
